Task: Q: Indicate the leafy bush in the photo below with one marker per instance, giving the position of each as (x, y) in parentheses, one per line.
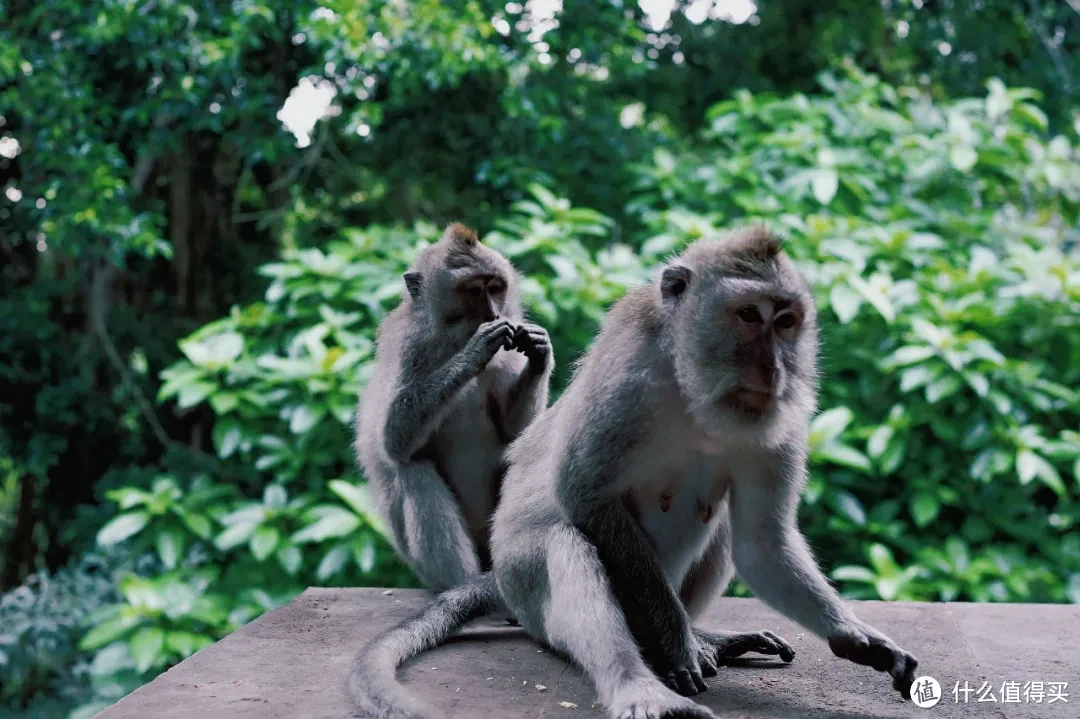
(40, 625)
(946, 457)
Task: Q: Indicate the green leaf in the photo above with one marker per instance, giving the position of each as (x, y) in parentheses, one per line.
(963, 157)
(332, 563)
(978, 382)
(881, 559)
(879, 441)
(289, 558)
(122, 527)
(824, 184)
(109, 631)
(915, 377)
(228, 436)
(845, 302)
(304, 418)
(1033, 115)
(890, 461)
(908, 355)
(186, 643)
(851, 573)
(829, 425)
(943, 388)
(235, 535)
(878, 299)
(364, 553)
(358, 497)
(924, 508)
(333, 521)
(848, 505)
(194, 393)
(147, 648)
(264, 541)
(1030, 465)
(224, 402)
(1027, 465)
(215, 351)
(197, 523)
(128, 497)
(170, 546)
(843, 455)
(275, 496)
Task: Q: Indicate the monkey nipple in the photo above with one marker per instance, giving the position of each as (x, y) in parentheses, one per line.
(665, 501)
(706, 512)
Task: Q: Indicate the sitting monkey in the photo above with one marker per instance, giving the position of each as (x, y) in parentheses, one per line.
(443, 403)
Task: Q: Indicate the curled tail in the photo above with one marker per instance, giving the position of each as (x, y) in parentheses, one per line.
(373, 682)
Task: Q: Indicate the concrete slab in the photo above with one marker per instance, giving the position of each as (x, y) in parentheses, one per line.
(292, 663)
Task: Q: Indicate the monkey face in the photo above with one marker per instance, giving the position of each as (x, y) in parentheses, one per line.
(461, 284)
(745, 349)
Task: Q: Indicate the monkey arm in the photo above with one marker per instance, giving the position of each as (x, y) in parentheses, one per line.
(771, 554)
(527, 397)
(773, 558)
(419, 407)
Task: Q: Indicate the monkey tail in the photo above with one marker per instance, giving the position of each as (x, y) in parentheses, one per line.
(373, 682)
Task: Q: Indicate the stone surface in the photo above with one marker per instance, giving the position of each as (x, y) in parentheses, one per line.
(293, 662)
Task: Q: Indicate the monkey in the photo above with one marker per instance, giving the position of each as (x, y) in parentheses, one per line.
(674, 458)
(443, 403)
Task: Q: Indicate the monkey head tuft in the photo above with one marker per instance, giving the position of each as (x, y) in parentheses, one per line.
(459, 233)
(742, 330)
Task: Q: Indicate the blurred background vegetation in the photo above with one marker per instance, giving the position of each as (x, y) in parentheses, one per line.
(206, 207)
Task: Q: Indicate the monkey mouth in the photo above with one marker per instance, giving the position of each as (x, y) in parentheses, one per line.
(753, 399)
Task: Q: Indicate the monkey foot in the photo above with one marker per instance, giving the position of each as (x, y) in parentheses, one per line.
(652, 700)
(729, 646)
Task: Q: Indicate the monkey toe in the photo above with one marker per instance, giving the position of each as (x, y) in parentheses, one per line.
(689, 682)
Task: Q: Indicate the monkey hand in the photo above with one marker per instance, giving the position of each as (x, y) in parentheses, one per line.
(534, 343)
(489, 338)
(865, 645)
(720, 647)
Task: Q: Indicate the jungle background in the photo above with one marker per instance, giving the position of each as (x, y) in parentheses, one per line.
(205, 209)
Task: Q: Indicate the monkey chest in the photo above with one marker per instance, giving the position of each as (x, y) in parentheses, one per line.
(679, 511)
(469, 453)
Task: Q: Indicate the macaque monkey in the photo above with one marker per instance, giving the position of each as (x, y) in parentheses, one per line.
(443, 403)
(675, 457)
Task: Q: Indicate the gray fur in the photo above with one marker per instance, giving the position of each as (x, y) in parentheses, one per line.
(676, 455)
(444, 402)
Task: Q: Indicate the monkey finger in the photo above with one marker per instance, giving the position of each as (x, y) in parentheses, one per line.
(708, 667)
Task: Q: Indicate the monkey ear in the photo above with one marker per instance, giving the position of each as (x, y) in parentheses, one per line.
(413, 280)
(674, 282)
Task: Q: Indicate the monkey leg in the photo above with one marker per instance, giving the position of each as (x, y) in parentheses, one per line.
(582, 619)
(433, 534)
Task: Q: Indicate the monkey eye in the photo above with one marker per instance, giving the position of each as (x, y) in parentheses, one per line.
(496, 288)
(749, 314)
(785, 321)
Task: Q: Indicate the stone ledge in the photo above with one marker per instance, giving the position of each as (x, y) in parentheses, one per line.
(292, 663)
